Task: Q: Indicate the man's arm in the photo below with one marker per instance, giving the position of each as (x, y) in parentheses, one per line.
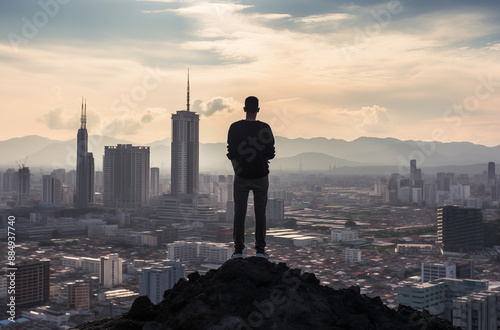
(231, 148)
(269, 151)
(234, 163)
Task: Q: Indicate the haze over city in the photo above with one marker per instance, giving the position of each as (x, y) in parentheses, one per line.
(416, 70)
(124, 200)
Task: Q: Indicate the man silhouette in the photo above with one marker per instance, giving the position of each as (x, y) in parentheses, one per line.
(250, 146)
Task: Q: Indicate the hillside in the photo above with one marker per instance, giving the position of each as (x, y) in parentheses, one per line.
(254, 293)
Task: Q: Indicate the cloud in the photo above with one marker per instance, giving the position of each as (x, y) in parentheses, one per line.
(372, 119)
(56, 119)
(132, 123)
(323, 18)
(216, 104)
(122, 127)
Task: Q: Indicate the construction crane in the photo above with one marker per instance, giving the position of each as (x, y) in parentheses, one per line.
(22, 165)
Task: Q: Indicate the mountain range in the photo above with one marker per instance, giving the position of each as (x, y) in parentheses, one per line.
(365, 155)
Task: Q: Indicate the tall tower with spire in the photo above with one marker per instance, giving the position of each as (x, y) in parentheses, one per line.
(84, 193)
(185, 150)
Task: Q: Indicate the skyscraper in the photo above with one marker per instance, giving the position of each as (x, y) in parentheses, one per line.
(492, 181)
(24, 184)
(491, 174)
(460, 229)
(52, 190)
(155, 181)
(84, 165)
(126, 176)
(185, 151)
(10, 180)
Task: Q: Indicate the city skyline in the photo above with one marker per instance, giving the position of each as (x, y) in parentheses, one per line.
(399, 69)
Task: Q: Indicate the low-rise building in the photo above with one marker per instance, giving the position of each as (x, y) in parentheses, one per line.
(351, 255)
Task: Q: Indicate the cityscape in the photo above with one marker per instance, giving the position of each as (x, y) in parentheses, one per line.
(385, 121)
(87, 242)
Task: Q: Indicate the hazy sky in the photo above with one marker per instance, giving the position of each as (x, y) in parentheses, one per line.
(420, 70)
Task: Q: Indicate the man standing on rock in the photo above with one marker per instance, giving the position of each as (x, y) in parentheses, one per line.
(250, 145)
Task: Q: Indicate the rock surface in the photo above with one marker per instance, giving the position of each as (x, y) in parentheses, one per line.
(254, 293)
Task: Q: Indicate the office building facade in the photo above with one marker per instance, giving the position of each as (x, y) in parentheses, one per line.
(78, 295)
(32, 283)
(155, 280)
(126, 176)
(197, 251)
(52, 190)
(460, 229)
(110, 272)
(350, 255)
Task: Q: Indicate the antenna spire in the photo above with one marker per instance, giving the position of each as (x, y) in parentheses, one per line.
(187, 104)
(83, 119)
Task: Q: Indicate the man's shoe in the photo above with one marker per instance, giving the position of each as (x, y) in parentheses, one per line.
(237, 255)
(262, 255)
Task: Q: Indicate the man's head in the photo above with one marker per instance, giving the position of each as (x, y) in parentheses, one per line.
(251, 104)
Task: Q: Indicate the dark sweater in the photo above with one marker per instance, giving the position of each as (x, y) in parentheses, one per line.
(251, 145)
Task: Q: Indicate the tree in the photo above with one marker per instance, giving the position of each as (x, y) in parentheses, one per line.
(350, 223)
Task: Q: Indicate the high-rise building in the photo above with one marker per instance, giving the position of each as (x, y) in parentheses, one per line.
(90, 178)
(32, 283)
(157, 279)
(430, 191)
(110, 272)
(78, 295)
(126, 176)
(52, 190)
(275, 210)
(480, 310)
(84, 165)
(99, 181)
(24, 183)
(460, 229)
(155, 181)
(10, 180)
(413, 169)
(492, 181)
(491, 174)
(185, 151)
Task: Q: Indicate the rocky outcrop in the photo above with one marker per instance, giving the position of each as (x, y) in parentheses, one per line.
(254, 293)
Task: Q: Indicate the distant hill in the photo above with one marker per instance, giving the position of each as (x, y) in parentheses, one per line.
(365, 154)
(312, 161)
(17, 149)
